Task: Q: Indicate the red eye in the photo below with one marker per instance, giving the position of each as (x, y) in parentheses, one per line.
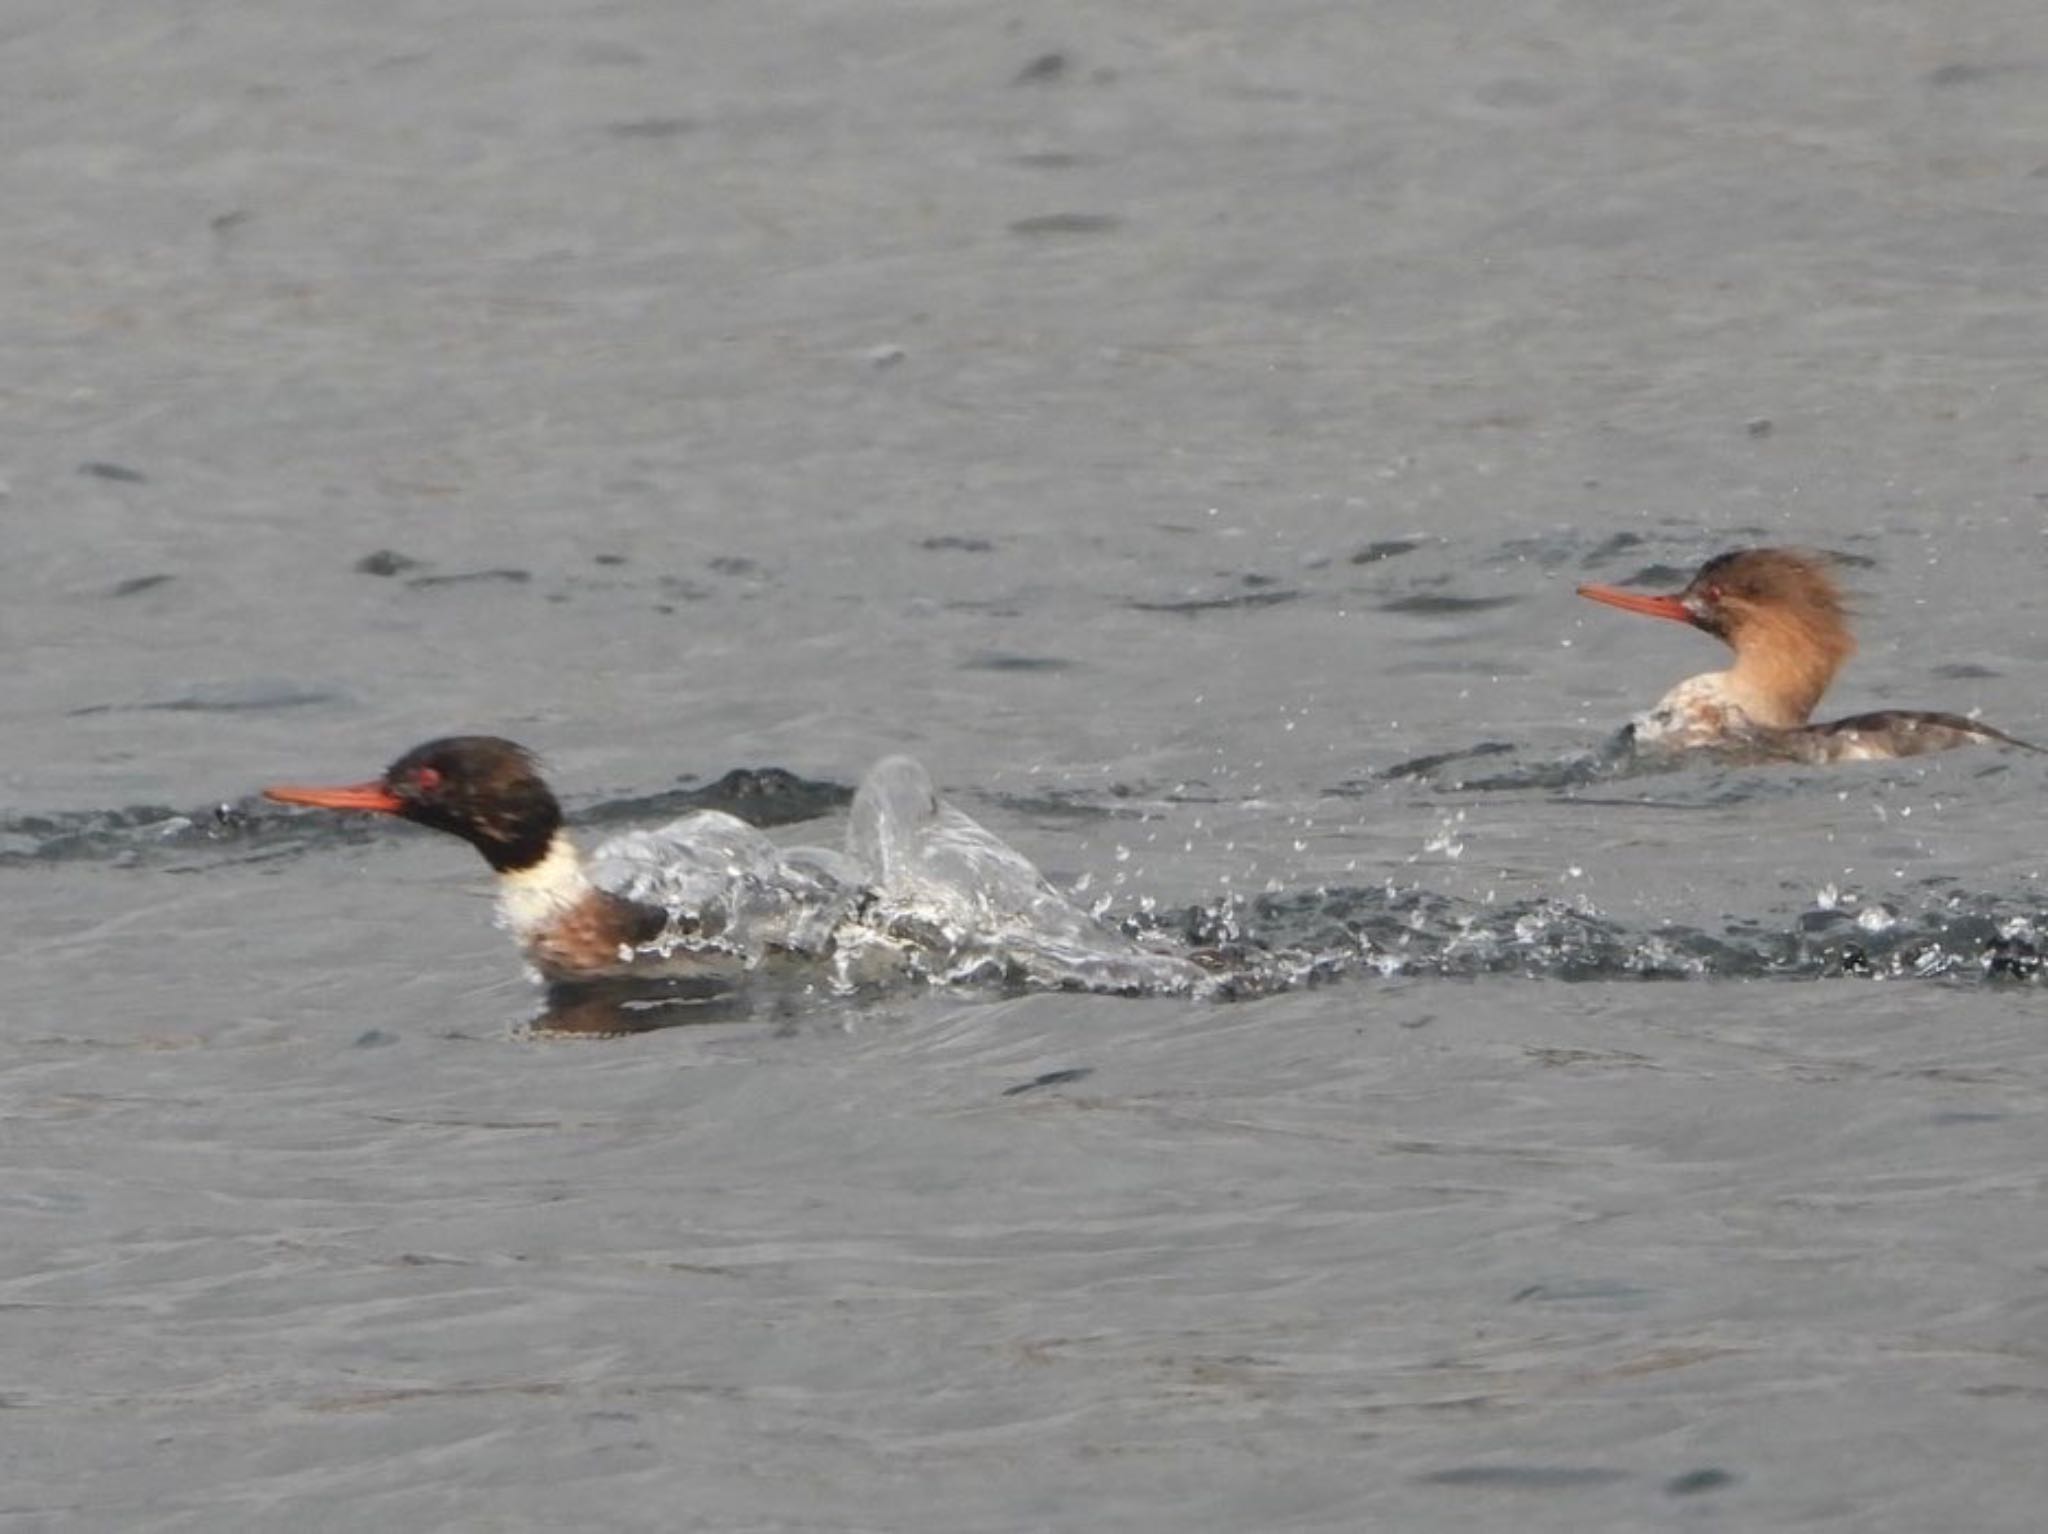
(427, 779)
(1712, 594)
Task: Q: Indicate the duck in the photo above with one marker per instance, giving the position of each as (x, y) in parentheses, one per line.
(922, 890)
(1781, 611)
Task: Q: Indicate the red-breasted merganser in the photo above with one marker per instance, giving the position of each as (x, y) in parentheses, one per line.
(923, 889)
(1781, 612)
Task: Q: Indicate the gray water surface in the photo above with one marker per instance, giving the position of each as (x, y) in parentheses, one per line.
(1171, 425)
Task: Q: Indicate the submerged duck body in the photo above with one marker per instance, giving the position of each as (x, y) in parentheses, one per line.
(922, 891)
(1781, 612)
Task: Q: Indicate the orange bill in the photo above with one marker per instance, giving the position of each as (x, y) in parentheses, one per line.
(1673, 608)
(357, 796)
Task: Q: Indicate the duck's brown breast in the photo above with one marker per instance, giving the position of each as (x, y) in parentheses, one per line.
(599, 934)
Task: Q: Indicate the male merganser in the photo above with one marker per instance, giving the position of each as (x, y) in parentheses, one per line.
(1781, 613)
(924, 890)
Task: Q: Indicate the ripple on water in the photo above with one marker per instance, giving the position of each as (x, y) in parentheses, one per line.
(1244, 946)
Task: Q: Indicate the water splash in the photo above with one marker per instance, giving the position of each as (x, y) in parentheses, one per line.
(967, 906)
(924, 894)
(1392, 930)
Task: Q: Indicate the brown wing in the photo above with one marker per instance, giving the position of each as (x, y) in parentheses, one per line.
(1894, 732)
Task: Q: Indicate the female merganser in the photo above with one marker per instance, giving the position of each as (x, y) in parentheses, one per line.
(923, 891)
(1781, 613)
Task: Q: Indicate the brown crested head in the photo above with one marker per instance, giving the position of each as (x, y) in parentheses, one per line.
(1749, 591)
(1778, 609)
(478, 787)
